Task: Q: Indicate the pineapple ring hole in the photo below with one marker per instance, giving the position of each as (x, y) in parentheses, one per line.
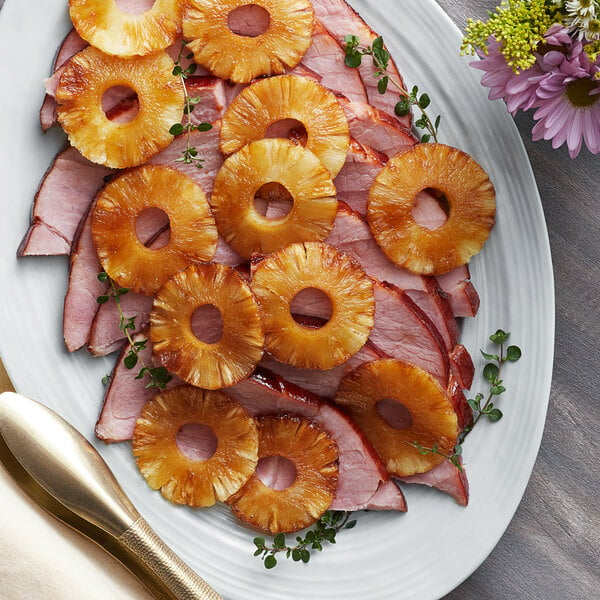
(120, 104)
(134, 7)
(273, 201)
(311, 302)
(150, 221)
(288, 129)
(249, 20)
(207, 324)
(196, 441)
(431, 208)
(276, 472)
(394, 413)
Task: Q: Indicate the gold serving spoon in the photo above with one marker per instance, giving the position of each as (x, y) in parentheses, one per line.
(59, 469)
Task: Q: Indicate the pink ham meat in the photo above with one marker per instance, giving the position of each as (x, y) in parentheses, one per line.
(447, 478)
(125, 396)
(403, 331)
(362, 477)
(340, 19)
(63, 197)
(325, 58)
(322, 383)
(71, 44)
(375, 129)
(461, 292)
(462, 367)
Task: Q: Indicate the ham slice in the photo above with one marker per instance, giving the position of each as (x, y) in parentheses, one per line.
(63, 198)
(447, 478)
(325, 58)
(361, 474)
(340, 19)
(403, 331)
(375, 129)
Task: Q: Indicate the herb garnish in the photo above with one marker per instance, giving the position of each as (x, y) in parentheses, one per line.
(381, 61)
(190, 153)
(325, 530)
(491, 373)
(159, 376)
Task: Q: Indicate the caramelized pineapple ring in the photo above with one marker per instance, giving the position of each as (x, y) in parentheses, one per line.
(277, 280)
(273, 161)
(314, 456)
(395, 405)
(104, 25)
(209, 365)
(242, 57)
(470, 195)
(197, 480)
(269, 101)
(88, 75)
(193, 233)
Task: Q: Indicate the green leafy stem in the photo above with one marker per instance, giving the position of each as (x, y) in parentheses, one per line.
(325, 530)
(481, 405)
(189, 155)
(159, 376)
(381, 60)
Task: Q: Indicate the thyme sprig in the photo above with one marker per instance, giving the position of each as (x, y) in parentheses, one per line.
(454, 458)
(381, 60)
(159, 376)
(325, 530)
(189, 155)
(491, 373)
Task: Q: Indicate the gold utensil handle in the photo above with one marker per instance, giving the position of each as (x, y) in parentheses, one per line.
(165, 575)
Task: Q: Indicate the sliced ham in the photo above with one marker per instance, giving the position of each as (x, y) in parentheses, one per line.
(436, 306)
(125, 396)
(403, 331)
(461, 292)
(323, 383)
(462, 367)
(340, 19)
(325, 58)
(376, 129)
(71, 44)
(80, 303)
(447, 478)
(361, 470)
(459, 403)
(62, 199)
(352, 235)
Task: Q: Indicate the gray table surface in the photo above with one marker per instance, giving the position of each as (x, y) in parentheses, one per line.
(551, 549)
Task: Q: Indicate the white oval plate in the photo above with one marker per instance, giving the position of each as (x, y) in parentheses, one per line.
(421, 555)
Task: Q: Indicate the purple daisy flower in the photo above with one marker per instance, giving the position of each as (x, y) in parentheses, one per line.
(568, 101)
(516, 89)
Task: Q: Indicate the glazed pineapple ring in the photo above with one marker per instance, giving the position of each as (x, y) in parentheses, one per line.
(207, 365)
(181, 478)
(104, 25)
(88, 75)
(273, 99)
(241, 58)
(314, 455)
(193, 233)
(262, 163)
(470, 194)
(432, 418)
(279, 277)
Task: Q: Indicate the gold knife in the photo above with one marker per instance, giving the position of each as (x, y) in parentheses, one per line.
(60, 470)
